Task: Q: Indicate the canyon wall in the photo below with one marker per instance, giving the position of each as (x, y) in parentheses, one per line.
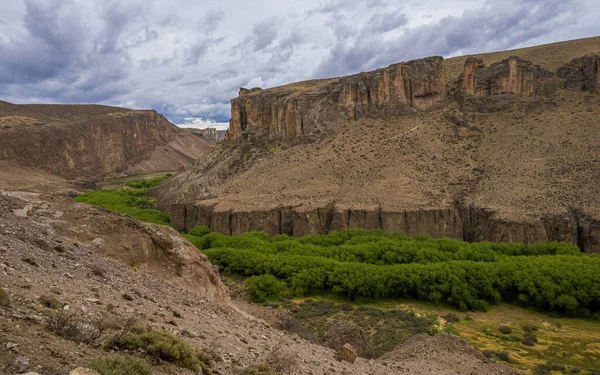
(462, 222)
(289, 111)
(94, 144)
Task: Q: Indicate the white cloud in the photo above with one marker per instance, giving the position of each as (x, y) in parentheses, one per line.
(200, 123)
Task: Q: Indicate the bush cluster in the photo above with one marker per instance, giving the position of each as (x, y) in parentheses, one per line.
(120, 366)
(550, 276)
(264, 287)
(161, 345)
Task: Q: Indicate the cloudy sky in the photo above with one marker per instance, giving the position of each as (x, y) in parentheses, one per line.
(188, 58)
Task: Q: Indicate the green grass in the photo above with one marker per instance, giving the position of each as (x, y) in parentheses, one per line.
(147, 183)
(131, 201)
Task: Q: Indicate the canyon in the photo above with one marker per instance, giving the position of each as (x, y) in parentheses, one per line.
(92, 142)
(497, 147)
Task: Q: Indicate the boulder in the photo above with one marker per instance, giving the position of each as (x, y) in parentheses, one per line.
(20, 364)
(343, 332)
(346, 353)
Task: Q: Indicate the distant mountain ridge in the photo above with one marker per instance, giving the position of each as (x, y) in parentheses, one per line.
(94, 142)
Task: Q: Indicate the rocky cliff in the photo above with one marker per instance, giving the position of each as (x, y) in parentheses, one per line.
(582, 74)
(209, 134)
(290, 111)
(505, 151)
(94, 142)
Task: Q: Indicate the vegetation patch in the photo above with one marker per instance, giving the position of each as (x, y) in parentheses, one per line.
(264, 287)
(131, 201)
(373, 264)
(120, 366)
(159, 345)
(4, 298)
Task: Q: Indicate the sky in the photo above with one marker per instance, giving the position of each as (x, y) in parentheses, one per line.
(188, 58)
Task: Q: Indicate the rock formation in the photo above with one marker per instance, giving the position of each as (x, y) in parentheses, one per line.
(511, 76)
(391, 150)
(209, 134)
(287, 112)
(582, 74)
(94, 142)
(343, 333)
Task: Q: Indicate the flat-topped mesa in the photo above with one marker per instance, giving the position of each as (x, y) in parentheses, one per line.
(582, 73)
(511, 76)
(287, 112)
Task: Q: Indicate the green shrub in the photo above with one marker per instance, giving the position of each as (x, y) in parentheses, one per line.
(503, 356)
(4, 298)
(147, 183)
(50, 301)
(199, 231)
(120, 366)
(264, 287)
(505, 330)
(452, 318)
(161, 345)
(529, 339)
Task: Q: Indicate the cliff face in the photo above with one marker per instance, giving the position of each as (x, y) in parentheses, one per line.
(511, 76)
(286, 113)
(208, 134)
(506, 151)
(92, 143)
(464, 222)
(582, 74)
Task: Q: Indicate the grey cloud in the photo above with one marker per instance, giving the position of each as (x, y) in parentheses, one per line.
(190, 60)
(495, 25)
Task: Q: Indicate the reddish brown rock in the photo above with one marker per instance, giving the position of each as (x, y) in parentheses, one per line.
(286, 112)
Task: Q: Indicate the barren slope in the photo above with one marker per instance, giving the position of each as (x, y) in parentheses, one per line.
(94, 142)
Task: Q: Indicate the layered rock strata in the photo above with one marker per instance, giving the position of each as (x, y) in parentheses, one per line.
(287, 112)
(94, 142)
(462, 222)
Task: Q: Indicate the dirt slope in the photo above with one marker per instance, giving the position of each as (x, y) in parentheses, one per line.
(94, 142)
(511, 154)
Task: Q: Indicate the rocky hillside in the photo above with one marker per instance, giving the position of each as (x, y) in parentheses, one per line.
(72, 276)
(93, 142)
(500, 146)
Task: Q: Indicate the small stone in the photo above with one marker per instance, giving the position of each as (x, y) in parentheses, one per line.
(128, 297)
(11, 345)
(21, 363)
(84, 371)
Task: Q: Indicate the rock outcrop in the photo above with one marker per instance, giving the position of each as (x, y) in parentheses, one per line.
(494, 88)
(467, 223)
(343, 333)
(288, 112)
(511, 76)
(209, 134)
(582, 74)
(94, 142)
